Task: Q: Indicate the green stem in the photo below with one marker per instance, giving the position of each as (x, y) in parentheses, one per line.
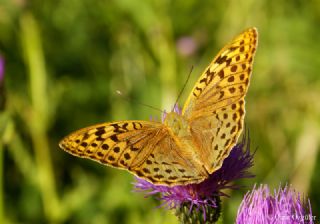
(2, 219)
(5, 136)
(38, 122)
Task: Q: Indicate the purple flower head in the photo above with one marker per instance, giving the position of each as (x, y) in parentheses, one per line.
(206, 193)
(285, 206)
(175, 109)
(2, 90)
(186, 46)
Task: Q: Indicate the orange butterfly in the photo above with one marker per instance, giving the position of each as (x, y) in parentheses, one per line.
(186, 147)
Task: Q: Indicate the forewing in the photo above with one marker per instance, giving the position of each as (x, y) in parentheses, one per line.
(144, 148)
(215, 107)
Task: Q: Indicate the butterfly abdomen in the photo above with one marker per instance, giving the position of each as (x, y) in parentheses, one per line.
(180, 131)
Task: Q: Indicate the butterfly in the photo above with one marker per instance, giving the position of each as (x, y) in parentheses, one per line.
(186, 147)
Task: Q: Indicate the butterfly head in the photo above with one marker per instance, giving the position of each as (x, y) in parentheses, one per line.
(177, 124)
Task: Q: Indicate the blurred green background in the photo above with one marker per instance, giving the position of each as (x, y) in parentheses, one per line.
(65, 59)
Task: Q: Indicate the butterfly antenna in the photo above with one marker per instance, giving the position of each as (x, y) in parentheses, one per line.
(139, 103)
(184, 86)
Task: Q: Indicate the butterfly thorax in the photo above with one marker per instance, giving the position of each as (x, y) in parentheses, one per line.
(179, 128)
(177, 124)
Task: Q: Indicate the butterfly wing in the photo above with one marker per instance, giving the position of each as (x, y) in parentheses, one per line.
(215, 107)
(144, 148)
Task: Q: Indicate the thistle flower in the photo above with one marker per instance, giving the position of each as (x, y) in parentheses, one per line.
(286, 207)
(201, 201)
(2, 92)
(186, 46)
